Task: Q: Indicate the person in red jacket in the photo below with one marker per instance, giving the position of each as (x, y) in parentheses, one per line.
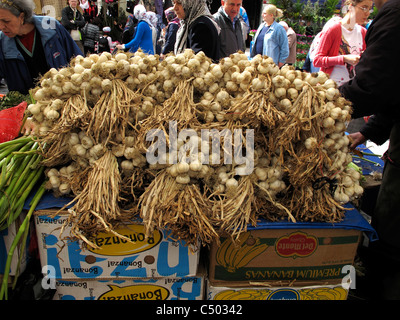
(342, 44)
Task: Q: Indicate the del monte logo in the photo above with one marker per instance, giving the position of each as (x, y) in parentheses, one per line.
(112, 245)
(297, 244)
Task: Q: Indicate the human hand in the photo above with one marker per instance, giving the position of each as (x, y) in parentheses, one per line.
(120, 46)
(28, 127)
(352, 59)
(356, 139)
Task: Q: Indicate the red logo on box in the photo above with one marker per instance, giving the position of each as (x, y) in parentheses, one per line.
(297, 244)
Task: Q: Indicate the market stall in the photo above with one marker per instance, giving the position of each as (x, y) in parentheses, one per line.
(195, 152)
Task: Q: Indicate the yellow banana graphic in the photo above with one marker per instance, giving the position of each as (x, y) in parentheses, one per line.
(221, 252)
(243, 294)
(324, 293)
(226, 295)
(225, 250)
(233, 255)
(255, 294)
(254, 252)
(234, 248)
(243, 250)
(321, 293)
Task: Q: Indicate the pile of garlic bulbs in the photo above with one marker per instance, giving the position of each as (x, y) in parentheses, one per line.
(107, 102)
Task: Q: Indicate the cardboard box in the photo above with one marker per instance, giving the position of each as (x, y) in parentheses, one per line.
(153, 257)
(6, 239)
(315, 292)
(185, 288)
(296, 252)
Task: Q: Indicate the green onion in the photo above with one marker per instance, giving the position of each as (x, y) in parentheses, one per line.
(22, 232)
(370, 154)
(20, 172)
(367, 160)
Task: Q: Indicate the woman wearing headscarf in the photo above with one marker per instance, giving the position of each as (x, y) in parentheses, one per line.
(170, 33)
(152, 17)
(143, 38)
(198, 30)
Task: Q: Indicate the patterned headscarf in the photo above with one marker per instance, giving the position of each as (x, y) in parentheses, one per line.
(193, 9)
(170, 14)
(152, 18)
(140, 14)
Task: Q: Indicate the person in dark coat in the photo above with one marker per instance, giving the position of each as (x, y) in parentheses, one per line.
(198, 30)
(91, 32)
(131, 23)
(22, 59)
(373, 91)
(170, 34)
(230, 21)
(73, 20)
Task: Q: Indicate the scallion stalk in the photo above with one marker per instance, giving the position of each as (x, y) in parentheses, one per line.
(21, 232)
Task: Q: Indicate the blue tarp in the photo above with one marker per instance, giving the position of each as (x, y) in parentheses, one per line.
(48, 201)
(366, 166)
(352, 220)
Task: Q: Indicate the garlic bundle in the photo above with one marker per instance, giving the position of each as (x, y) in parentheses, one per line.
(102, 107)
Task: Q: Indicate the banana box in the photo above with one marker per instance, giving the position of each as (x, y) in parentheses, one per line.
(156, 256)
(282, 251)
(185, 288)
(316, 292)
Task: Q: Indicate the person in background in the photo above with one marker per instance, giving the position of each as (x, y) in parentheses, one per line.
(105, 41)
(308, 64)
(131, 22)
(91, 34)
(31, 45)
(342, 43)
(156, 17)
(198, 30)
(91, 11)
(73, 20)
(153, 18)
(292, 41)
(245, 23)
(84, 4)
(373, 91)
(144, 35)
(271, 39)
(117, 29)
(230, 21)
(170, 33)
